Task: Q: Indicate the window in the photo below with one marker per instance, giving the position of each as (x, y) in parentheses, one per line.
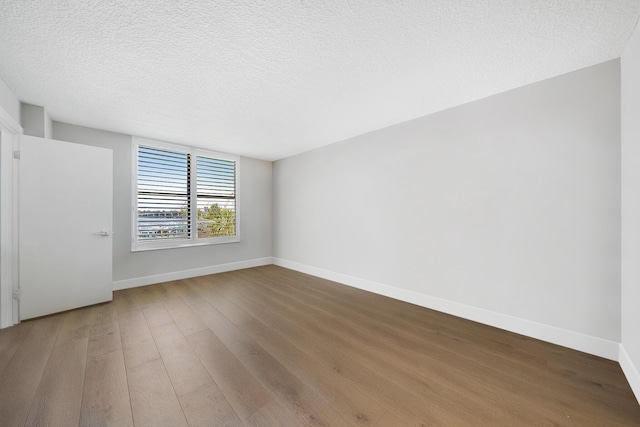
(183, 196)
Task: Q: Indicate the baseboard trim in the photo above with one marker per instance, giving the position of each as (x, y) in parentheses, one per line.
(185, 274)
(630, 371)
(574, 340)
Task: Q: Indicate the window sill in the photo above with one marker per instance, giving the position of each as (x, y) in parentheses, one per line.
(156, 246)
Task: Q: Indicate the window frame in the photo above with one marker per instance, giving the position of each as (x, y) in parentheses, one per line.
(193, 240)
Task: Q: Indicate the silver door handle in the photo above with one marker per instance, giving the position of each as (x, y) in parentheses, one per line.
(102, 233)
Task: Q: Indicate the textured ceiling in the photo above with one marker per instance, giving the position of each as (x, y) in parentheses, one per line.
(273, 78)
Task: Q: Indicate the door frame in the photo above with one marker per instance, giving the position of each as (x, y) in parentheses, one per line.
(10, 132)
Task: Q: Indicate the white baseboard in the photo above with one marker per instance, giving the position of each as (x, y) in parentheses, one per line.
(630, 371)
(574, 340)
(185, 274)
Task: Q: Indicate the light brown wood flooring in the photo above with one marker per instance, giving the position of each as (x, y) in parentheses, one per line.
(272, 347)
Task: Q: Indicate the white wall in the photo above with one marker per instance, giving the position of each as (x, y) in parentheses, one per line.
(9, 129)
(630, 355)
(505, 210)
(8, 102)
(33, 120)
(48, 125)
(136, 268)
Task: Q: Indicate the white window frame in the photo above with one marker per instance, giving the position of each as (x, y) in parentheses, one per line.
(193, 240)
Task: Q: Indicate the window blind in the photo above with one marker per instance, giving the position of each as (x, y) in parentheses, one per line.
(216, 197)
(164, 208)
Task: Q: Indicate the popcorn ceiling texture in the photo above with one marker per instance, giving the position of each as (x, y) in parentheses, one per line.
(269, 79)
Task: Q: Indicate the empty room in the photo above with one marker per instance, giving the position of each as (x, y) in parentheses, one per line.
(320, 213)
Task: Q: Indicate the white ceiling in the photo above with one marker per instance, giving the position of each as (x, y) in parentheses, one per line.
(272, 78)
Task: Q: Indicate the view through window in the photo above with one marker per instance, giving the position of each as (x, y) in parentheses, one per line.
(184, 197)
(216, 197)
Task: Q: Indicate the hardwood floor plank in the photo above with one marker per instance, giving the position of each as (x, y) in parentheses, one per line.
(106, 314)
(448, 370)
(268, 346)
(207, 406)
(181, 287)
(354, 403)
(525, 353)
(396, 418)
(377, 378)
(105, 400)
(520, 357)
(10, 341)
(144, 296)
(472, 382)
(272, 415)
(243, 391)
(185, 369)
(169, 291)
(139, 349)
(75, 325)
(104, 333)
(156, 314)
(188, 322)
(132, 322)
(59, 397)
(471, 397)
(371, 306)
(108, 341)
(138, 345)
(526, 386)
(23, 374)
(153, 400)
(310, 408)
(124, 302)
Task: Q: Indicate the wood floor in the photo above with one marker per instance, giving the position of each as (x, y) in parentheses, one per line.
(271, 347)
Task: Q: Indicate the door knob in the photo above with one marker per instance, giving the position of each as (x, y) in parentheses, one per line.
(102, 233)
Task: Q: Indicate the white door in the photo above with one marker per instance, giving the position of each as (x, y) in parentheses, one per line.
(65, 193)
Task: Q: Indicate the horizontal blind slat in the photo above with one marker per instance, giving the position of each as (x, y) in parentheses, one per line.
(216, 198)
(164, 211)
